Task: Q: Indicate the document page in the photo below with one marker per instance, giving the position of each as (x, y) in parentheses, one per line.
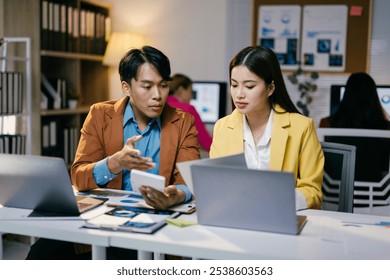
(131, 219)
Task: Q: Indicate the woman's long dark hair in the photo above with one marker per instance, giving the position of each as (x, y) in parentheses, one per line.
(360, 106)
(264, 63)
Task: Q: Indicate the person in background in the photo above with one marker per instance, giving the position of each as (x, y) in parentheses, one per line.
(360, 106)
(138, 131)
(267, 126)
(180, 94)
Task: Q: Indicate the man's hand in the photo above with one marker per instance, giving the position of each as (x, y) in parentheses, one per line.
(162, 200)
(129, 158)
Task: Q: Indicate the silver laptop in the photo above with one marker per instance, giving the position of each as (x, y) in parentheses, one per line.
(41, 184)
(237, 197)
(185, 166)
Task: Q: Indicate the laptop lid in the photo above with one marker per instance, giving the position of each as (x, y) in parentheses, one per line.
(185, 167)
(38, 183)
(237, 197)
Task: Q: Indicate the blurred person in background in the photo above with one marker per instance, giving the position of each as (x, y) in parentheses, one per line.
(180, 94)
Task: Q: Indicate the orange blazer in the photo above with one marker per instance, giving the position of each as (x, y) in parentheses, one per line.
(102, 136)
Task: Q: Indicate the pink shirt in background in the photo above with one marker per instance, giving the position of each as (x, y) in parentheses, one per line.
(204, 136)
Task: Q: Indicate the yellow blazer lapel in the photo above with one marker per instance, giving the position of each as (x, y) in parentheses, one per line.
(235, 138)
(279, 140)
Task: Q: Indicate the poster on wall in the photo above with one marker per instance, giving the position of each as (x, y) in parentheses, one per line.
(324, 37)
(279, 30)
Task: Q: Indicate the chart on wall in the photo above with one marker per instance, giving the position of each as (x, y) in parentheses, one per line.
(324, 37)
(279, 30)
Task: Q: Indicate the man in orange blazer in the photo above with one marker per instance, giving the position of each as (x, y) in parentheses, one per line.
(139, 131)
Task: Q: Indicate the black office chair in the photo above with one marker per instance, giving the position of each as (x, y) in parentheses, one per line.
(372, 169)
(338, 181)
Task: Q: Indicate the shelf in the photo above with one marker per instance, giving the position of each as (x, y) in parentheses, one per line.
(74, 61)
(25, 81)
(62, 112)
(70, 55)
(16, 58)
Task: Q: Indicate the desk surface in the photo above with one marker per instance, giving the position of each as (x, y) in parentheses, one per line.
(66, 230)
(323, 237)
(326, 235)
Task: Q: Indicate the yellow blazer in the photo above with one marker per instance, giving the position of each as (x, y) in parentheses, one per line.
(294, 148)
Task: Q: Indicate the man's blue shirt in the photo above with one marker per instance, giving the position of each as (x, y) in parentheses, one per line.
(149, 146)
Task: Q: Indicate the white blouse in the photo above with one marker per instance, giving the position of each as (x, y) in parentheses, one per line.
(258, 156)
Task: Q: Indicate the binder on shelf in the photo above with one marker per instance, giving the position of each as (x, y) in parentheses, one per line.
(3, 95)
(66, 145)
(50, 144)
(90, 32)
(48, 90)
(55, 91)
(18, 93)
(53, 134)
(11, 93)
(74, 26)
(45, 136)
(44, 25)
(56, 26)
(50, 37)
(56, 83)
(64, 94)
(12, 144)
(2, 150)
(70, 142)
(63, 24)
(93, 28)
(44, 101)
(75, 32)
(69, 28)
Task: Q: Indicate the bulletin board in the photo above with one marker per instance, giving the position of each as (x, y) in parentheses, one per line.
(358, 33)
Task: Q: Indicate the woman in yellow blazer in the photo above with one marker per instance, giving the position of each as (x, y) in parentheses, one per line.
(267, 127)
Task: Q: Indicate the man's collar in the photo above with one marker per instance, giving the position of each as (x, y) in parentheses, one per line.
(129, 115)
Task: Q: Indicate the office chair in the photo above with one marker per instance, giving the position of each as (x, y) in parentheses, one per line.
(372, 168)
(338, 181)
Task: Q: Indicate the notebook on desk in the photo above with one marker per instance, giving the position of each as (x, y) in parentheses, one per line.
(237, 197)
(39, 185)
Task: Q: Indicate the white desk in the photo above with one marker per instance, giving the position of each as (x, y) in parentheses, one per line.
(60, 230)
(323, 237)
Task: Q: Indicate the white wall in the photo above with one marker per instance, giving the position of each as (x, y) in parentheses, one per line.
(191, 33)
(200, 37)
(379, 58)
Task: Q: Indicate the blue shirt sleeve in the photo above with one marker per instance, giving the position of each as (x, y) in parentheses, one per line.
(101, 173)
(185, 189)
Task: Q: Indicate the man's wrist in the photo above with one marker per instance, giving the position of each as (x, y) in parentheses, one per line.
(113, 164)
(182, 196)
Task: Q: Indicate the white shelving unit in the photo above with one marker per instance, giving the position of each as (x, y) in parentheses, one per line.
(5, 59)
(6, 123)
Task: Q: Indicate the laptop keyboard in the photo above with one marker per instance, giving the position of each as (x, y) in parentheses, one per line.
(86, 203)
